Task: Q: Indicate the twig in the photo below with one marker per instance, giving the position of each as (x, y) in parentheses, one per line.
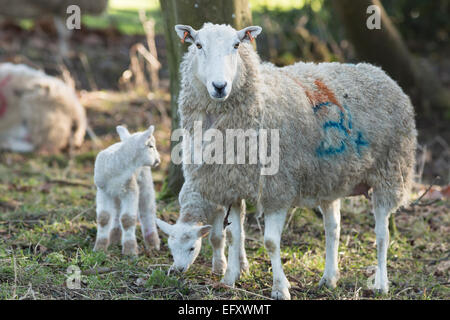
(248, 292)
(81, 213)
(70, 182)
(99, 270)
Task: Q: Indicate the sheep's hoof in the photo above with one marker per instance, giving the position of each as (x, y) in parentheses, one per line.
(245, 266)
(329, 282)
(151, 241)
(219, 266)
(101, 244)
(281, 294)
(382, 290)
(129, 248)
(115, 235)
(229, 279)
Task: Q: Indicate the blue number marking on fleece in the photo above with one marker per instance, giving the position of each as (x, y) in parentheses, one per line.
(359, 141)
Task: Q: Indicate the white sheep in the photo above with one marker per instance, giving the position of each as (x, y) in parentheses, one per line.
(125, 187)
(38, 112)
(343, 129)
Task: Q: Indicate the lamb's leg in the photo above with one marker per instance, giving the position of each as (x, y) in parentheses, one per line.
(244, 266)
(217, 240)
(147, 211)
(234, 236)
(116, 232)
(274, 222)
(382, 233)
(128, 215)
(331, 220)
(105, 219)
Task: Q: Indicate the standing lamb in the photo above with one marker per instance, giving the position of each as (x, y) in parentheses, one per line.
(343, 129)
(124, 186)
(38, 111)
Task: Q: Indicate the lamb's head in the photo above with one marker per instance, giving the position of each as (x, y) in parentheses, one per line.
(216, 55)
(185, 242)
(143, 143)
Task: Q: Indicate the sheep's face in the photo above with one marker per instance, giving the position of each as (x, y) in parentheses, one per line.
(145, 145)
(216, 60)
(185, 242)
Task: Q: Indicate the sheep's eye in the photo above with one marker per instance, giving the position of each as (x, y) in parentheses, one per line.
(191, 249)
(236, 45)
(199, 45)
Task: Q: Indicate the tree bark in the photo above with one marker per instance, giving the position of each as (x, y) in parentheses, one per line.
(385, 47)
(194, 13)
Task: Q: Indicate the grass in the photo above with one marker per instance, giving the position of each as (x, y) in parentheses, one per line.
(47, 232)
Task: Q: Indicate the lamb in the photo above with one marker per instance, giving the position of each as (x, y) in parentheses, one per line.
(37, 111)
(193, 211)
(343, 129)
(124, 186)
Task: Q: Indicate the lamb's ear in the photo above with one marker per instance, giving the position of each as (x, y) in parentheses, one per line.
(164, 226)
(186, 33)
(150, 130)
(249, 33)
(147, 134)
(203, 231)
(123, 132)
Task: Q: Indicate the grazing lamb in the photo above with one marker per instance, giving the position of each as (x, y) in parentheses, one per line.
(343, 129)
(38, 112)
(193, 211)
(124, 186)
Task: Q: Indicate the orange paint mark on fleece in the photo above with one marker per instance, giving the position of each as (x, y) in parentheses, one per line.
(325, 94)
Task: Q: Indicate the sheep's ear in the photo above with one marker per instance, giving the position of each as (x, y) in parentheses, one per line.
(249, 33)
(164, 226)
(123, 132)
(186, 33)
(203, 231)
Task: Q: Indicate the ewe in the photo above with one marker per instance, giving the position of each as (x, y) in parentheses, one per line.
(343, 129)
(38, 112)
(124, 186)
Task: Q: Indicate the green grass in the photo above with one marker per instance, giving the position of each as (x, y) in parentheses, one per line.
(47, 227)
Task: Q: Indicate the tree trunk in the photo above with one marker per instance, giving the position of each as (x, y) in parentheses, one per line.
(194, 13)
(385, 47)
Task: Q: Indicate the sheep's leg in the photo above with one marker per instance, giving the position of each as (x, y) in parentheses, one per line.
(244, 266)
(382, 233)
(147, 211)
(105, 220)
(217, 240)
(234, 236)
(274, 222)
(331, 220)
(115, 235)
(128, 215)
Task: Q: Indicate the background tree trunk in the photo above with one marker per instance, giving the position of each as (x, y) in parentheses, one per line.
(194, 13)
(385, 47)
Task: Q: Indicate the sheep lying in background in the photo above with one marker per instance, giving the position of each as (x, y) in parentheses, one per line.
(343, 129)
(193, 211)
(38, 112)
(125, 187)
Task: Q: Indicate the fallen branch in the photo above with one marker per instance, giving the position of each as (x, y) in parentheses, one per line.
(70, 182)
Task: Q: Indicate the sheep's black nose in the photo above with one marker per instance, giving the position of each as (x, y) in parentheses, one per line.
(219, 86)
